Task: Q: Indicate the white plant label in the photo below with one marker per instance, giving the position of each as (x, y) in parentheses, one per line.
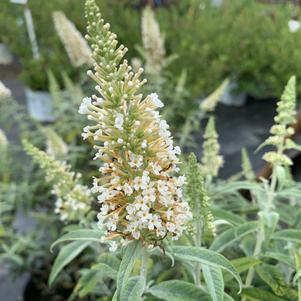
(18, 1)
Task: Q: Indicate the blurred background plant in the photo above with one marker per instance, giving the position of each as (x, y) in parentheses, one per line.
(238, 27)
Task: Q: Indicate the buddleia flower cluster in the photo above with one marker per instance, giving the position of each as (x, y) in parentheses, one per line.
(73, 199)
(4, 91)
(76, 46)
(211, 160)
(153, 43)
(197, 196)
(282, 129)
(140, 197)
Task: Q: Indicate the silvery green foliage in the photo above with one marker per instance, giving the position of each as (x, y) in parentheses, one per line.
(282, 130)
(257, 235)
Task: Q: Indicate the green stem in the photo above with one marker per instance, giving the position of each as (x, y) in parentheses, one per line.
(257, 250)
(297, 258)
(260, 234)
(143, 269)
(198, 243)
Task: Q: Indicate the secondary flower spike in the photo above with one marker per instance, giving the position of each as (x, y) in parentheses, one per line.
(73, 199)
(139, 195)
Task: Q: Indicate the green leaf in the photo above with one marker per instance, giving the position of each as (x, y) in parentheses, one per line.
(133, 289)
(13, 257)
(232, 187)
(80, 235)
(214, 281)
(232, 235)
(228, 216)
(106, 270)
(256, 294)
(288, 235)
(66, 255)
(280, 257)
(110, 259)
(290, 193)
(228, 298)
(272, 276)
(132, 252)
(241, 265)
(297, 276)
(89, 281)
(177, 290)
(206, 257)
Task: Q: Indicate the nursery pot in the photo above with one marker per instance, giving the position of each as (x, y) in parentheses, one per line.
(232, 97)
(6, 57)
(39, 105)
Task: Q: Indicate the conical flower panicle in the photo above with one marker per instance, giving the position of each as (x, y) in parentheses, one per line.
(73, 199)
(209, 103)
(153, 43)
(55, 144)
(76, 46)
(3, 142)
(139, 196)
(282, 129)
(4, 92)
(197, 196)
(211, 160)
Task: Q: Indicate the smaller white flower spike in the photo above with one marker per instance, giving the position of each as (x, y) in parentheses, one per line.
(156, 101)
(294, 25)
(83, 108)
(76, 46)
(73, 199)
(4, 91)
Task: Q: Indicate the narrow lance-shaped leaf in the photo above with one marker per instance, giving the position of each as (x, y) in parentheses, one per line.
(288, 235)
(66, 255)
(232, 235)
(280, 257)
(255, 294)
(80, 234)
(132, 252)
(177, 290)
(273, 277)
(133, 289)
(214, 281)
(206, 257)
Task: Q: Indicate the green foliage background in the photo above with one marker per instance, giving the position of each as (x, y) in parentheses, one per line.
(246, 40)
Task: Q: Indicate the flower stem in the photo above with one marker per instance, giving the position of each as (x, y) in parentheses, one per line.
(198, 243)
(257, 250)
(260, 234)
(143, 269)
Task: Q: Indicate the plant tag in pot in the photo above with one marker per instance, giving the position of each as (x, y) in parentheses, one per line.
(18, 1)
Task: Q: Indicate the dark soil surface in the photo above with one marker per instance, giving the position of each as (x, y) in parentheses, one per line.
(246, 126)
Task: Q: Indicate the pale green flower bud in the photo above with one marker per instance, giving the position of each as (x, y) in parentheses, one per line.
(282, 130)
(197, 196)
(211, 160)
